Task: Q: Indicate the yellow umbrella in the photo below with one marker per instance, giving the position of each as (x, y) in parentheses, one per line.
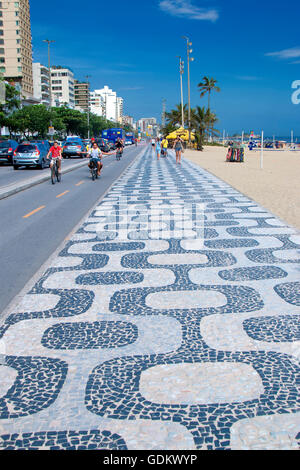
(181, 132)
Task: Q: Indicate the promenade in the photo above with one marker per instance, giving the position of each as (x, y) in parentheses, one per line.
(169, 320)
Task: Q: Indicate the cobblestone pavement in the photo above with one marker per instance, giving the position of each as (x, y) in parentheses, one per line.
(144, 340)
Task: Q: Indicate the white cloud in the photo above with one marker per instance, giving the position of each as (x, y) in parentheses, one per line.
(286, 53)
(186, 9)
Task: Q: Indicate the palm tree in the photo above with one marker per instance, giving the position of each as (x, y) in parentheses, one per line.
(212, 120)
(199, 123)
(174, 117)
(208, 86)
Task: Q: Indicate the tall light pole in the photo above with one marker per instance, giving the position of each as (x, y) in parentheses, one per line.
(189, 59)
(163, 116)
(88, 109)
(49, 68)
(181, 71)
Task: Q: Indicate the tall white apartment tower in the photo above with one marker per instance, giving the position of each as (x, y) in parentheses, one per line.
(62, 86)
(16, 45)
(119, 110)
(41, 83)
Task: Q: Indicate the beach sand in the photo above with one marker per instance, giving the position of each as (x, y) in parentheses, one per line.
(276, 187)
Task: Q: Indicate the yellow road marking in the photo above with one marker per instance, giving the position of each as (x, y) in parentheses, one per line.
(62, 194)
(80, 182)
(33, 212)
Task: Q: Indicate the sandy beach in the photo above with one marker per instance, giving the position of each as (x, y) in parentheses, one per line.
(276, 187)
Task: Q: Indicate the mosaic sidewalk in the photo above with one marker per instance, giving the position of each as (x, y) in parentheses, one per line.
(152, 343)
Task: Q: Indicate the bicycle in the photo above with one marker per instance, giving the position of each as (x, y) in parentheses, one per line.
(94, 171)
(119, 154)
(55, 174)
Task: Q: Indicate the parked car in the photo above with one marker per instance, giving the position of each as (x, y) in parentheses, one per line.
(103, 145)
(46, 143)
(31, 154)
(7, 148)
(74, 148)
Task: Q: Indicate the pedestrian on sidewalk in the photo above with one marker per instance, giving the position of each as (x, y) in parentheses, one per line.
(179, 148)
(158, 148)
(164, 146)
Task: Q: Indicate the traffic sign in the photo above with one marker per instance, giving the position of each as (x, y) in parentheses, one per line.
(51, 130)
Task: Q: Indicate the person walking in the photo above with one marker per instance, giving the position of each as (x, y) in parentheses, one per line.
(179, 148)
(164, 146)
(158, 148)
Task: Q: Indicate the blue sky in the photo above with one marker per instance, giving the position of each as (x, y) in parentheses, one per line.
(251, 48)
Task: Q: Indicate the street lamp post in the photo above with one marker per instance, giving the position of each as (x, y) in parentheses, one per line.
(189, 59)
(88, 109)
(181, 71)
(49, 68)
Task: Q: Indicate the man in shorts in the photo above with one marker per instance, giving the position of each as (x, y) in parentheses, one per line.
(95, 155)
(55, 152)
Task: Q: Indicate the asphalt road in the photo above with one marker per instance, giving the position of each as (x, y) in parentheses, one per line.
(9, 176)
(35, 222)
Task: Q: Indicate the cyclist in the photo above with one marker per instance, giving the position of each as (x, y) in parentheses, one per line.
(95, 156)
(119, 146)
(55, 152)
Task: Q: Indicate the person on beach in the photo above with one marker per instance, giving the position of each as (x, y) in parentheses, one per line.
(158, 148)
(179, 148)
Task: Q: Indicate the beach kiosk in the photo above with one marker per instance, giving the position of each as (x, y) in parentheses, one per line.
(236, 153)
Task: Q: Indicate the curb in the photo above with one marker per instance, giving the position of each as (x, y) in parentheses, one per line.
(4, 193)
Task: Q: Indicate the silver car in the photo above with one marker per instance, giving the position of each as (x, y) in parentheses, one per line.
(31, 155)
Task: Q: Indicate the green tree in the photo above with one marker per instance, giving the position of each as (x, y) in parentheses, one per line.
(174, 117)
(12, 102)
(199, 121)
(207, 87)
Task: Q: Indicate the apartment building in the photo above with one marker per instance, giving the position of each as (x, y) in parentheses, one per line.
(96, 103)
(128, 120)
(16, 45)
(82, 95)
(62, 86)
(41, 83)
(119, 109)
(147, 125)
